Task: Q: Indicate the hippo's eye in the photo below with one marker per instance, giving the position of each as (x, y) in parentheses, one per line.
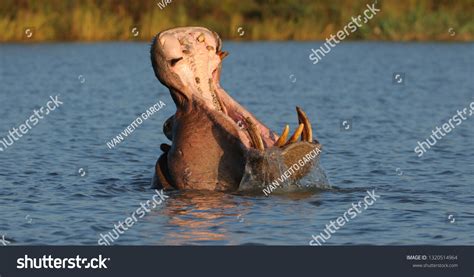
(174, 61)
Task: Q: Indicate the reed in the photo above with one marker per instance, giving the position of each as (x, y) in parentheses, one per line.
(95, 20)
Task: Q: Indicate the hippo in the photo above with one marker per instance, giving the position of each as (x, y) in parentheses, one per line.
(215, 141)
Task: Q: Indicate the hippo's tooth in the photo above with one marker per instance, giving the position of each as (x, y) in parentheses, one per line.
(255, 136)
(296, 134)
(307, 131)
(284, 135)
(201, 37)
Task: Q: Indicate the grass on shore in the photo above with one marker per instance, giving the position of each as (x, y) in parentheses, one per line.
(94, 20)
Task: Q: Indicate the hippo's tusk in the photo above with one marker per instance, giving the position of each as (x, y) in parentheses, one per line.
(284, 135)
(296, 135)
(307, 131)
(255, 136)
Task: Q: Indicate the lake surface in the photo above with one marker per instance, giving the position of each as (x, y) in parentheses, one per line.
(60, 184)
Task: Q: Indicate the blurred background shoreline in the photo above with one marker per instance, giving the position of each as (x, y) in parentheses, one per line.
(249, 20)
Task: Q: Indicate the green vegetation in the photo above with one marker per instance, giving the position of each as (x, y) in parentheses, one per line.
(95, 20)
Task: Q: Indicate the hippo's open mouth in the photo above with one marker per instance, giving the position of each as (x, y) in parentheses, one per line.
(212, 134)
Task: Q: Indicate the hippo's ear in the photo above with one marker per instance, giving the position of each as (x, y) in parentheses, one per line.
(162, 179)
(222, 54)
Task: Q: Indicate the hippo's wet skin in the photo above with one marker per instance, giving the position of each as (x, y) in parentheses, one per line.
(213, 137)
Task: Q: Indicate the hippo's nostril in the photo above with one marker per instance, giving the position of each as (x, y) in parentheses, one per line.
(174, 61)
(198, 80)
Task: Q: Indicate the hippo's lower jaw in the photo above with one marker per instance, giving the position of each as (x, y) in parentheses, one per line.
(213, 137)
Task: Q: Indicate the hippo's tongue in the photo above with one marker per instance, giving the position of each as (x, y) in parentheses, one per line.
(256, 134)
(260, 136)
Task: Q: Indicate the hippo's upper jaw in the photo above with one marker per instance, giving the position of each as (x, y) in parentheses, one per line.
(212, 135)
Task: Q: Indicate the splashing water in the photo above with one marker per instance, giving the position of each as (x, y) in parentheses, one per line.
(261, 172)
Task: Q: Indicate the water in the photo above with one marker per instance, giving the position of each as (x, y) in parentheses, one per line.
(104, 87)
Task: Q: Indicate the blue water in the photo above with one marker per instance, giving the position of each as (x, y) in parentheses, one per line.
(105, 86)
